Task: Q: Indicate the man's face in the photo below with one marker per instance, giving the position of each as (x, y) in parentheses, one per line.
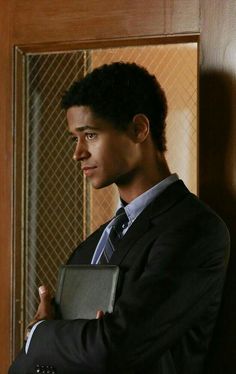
(106, 155)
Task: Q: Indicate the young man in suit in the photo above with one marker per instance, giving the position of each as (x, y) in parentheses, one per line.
(172, 249)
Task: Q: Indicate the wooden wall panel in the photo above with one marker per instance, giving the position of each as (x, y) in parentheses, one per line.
(218, 152)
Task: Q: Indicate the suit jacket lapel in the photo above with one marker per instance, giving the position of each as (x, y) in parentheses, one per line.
(143, 225)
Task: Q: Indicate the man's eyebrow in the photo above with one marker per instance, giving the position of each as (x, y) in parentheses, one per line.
(83, 128)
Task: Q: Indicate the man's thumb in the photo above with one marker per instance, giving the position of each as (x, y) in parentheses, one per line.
(44, 293)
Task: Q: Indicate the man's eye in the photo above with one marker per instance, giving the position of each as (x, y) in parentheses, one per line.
(90, 136)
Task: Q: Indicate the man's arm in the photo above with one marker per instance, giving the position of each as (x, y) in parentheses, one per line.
(44, 312)
(157, 306)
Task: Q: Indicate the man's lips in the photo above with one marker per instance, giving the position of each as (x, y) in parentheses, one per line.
(88, 170)
(88, 167)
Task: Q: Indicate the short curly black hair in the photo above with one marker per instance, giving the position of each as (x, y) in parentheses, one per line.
(119, 91)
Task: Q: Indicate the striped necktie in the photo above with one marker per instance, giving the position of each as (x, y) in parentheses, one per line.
(119, 224)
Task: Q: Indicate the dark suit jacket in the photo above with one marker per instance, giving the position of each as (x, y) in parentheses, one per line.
(173, 262)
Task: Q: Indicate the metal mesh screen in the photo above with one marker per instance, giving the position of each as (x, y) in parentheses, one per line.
(55, 188)
(60, 208)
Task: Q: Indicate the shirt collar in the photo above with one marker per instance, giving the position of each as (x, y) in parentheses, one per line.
(136, 206)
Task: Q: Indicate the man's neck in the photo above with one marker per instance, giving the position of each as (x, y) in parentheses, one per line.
(152, 174)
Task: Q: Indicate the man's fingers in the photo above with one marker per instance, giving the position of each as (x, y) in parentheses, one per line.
(45, 309)
(99, 314)
(45, 302)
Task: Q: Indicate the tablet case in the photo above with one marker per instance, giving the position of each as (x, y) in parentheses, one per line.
(82, 290)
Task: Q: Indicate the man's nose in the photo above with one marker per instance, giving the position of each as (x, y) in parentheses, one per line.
(81, 151)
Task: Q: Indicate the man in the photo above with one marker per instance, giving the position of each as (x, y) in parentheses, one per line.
(172, 250)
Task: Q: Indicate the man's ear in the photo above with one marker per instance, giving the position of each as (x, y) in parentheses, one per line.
(141, 127)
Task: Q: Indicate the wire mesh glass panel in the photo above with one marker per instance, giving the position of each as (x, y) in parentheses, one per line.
(54, 183)
(60, 208)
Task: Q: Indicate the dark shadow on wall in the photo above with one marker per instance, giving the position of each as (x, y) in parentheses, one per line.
(218, 188)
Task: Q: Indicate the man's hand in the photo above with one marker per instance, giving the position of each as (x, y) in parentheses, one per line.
(45, 308)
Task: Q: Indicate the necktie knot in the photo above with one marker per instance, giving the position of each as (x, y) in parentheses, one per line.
(120, 221)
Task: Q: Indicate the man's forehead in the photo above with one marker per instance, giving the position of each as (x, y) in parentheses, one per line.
(82, 112)
(80, 118)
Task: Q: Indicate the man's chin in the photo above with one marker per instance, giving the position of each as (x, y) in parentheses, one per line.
(97, 185)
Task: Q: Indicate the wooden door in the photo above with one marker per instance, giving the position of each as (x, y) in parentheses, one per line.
(62, 25)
